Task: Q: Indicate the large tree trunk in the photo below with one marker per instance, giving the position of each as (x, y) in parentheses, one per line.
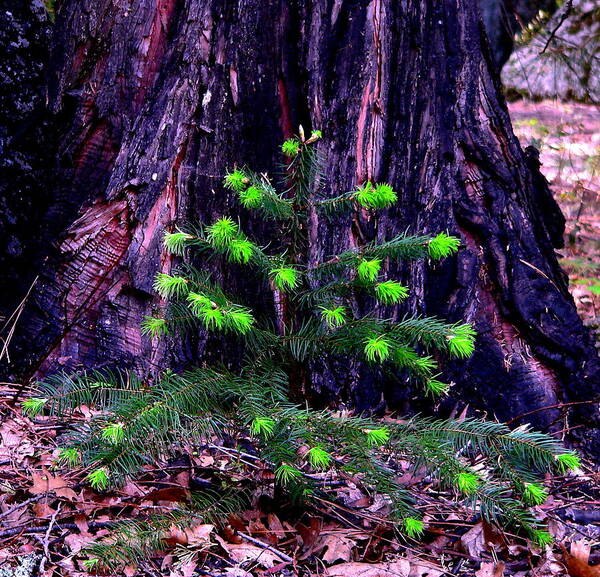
(156, 98)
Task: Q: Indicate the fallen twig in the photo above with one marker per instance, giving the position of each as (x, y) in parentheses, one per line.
(14, 318)
(58, 526)
(549, 407)
(21, 504)
(266, 546)
(46, 540)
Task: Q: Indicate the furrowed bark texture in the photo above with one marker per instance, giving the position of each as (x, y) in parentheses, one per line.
(158, 97)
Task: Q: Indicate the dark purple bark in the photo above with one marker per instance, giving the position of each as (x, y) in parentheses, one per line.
(157, 100)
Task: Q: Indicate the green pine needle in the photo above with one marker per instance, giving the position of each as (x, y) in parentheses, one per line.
(68, 457)
(91, 564)
(113, 433)
(175, 242)
(442, 245)
(541, 538)
(467, 483)
(461, 341)
(236, 180)
(385, 195)
(368, 269)
(33, 406)
(334, 317)
(286, 474)
(154, 327)
(251, 197)
(414, 528)
(284, 278)
(407, 357)
(318, 458)
(98, 479)
(101, 385)
(425, 364)
(222, 232)
(390, 292)
(212, 318)
(199, 303)
(365, 195)
(170, 287)
(291, 147)
(404, 356)
(238, 319)
(568, 462)
(262, 427)
(375, 196)
(534, 494)
(377, 349)
(378, 437)
(436, 388)
(240, 250)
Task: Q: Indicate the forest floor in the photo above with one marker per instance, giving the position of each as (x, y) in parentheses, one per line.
(48, 516)
(568, 137)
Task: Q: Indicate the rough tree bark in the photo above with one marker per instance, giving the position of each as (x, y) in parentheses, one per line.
(156, 98)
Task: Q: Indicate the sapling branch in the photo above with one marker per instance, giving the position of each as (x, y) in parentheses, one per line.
(133, 425)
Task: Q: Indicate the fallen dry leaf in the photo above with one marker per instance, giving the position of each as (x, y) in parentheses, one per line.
(132, 489)
(169, 495)
(400, 568)
(129, 570)
(187, 569)
(550, 566)
(491, 570)
(473, 541)
(248, 552)
(42, 510)
(577, 560)
(276, 526)
(14, 444)
(82, 523)
(237, 572)
(259, 528)
(45, 482)
(421, 568)
(481, 537)
(77, 541)
(309, 533)
(198, 535)
(337, 548)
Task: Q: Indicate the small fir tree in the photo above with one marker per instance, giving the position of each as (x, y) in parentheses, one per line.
(316, 306)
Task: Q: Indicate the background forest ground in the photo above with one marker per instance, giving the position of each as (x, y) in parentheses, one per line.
(568, 137)
(47, 516)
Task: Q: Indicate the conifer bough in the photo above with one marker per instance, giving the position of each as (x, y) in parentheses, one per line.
(135, 424)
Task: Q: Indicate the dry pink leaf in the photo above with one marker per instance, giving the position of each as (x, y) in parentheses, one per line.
(400, 568)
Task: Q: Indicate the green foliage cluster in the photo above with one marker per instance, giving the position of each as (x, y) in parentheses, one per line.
(135, 424)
